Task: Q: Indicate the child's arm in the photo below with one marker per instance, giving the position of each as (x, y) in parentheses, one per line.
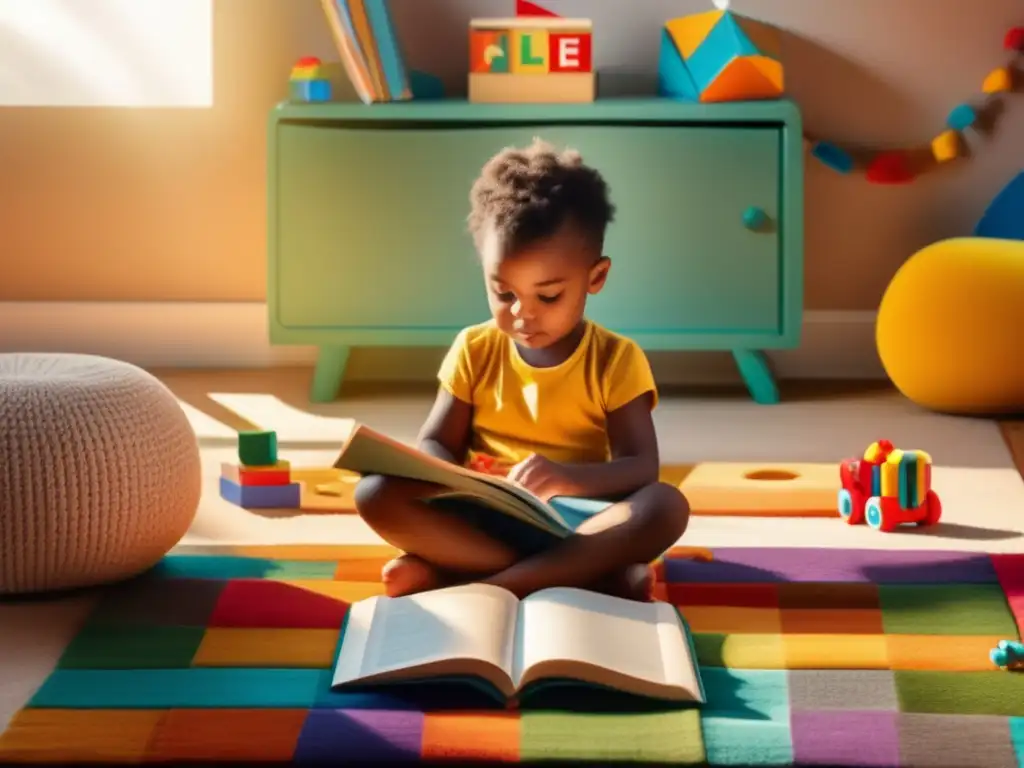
(446, 431)
(634, 455)
(634, 460)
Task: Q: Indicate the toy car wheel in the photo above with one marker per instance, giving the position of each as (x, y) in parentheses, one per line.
(844, 503)
(851, 506)
(876, 517)
(933, 509)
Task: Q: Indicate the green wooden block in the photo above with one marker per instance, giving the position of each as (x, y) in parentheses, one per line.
(106, 646)
(945, 609)
(257, 448)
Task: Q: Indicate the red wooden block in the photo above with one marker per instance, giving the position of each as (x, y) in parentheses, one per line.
(889, 168)
(267, 604)
(733, 595)
(1014, 40)
(569, 52)
(259, 477)
(240, 475)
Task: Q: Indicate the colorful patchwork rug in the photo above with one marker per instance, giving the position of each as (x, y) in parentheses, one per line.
(809, 657)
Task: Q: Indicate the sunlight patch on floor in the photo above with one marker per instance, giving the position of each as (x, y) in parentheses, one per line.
(204, 425)
(290, 423)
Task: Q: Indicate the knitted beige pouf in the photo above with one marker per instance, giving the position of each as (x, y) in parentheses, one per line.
(99, 471)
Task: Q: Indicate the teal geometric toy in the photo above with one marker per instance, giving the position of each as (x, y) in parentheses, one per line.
(836, 158)
(961, 117)
(719, 56)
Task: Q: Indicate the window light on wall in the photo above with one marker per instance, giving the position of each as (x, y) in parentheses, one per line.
(106, 53)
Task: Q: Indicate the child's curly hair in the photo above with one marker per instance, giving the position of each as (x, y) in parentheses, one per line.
(528, 194)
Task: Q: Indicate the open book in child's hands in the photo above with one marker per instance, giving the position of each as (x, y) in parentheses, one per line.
(513, 648)
(368, 452)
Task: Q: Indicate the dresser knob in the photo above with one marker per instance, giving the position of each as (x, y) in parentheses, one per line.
(754, 218)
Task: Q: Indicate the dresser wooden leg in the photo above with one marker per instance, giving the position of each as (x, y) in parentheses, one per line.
(757, 375)
(328, 374)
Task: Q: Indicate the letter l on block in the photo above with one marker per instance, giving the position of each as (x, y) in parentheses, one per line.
(527, 56)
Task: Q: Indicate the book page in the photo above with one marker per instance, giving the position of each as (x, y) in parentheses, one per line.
(450, 628)
(371, 453)
(637, 647)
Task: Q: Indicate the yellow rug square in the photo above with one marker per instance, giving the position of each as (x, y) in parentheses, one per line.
(824, 651)
(275, 648)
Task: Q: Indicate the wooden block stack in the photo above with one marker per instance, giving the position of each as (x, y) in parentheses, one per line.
(531, 59)
(259, 480)
(309, 81)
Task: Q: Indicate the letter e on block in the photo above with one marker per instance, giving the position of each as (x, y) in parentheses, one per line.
(570, 52)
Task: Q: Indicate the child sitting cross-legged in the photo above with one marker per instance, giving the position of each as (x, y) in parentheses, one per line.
(560, 403)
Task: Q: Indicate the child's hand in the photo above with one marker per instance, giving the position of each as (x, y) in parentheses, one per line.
(542, 477)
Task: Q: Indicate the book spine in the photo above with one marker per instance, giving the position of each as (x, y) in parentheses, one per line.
(390, 50)
(351, 51)
(361, 24)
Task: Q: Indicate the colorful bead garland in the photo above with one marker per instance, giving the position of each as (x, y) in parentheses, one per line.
(903, 166)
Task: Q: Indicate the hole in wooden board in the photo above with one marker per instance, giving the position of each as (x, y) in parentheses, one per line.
(771, 474)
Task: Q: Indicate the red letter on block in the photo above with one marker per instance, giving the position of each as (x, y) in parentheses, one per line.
(569, 52)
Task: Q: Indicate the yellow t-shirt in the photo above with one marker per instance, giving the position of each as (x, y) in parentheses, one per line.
(557, 412)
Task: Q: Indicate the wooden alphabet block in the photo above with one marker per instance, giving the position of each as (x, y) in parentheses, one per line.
(531, 59)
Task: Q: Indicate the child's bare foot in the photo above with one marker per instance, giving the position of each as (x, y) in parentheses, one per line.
(408, 574)
(633, 583)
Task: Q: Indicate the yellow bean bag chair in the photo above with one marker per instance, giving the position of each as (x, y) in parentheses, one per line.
(950, 328)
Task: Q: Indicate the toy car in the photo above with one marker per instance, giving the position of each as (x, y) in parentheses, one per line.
(887, 488)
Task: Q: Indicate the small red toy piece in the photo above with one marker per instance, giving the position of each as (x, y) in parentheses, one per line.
(1014, 40)
(889, 168)
(488, 465)
(888, 487)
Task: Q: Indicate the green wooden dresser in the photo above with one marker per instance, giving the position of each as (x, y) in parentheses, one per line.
(367, 206)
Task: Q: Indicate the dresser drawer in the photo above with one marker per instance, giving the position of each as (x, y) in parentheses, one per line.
(372, 222)
(683, 260)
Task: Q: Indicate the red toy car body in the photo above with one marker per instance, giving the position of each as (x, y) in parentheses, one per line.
(887, 488)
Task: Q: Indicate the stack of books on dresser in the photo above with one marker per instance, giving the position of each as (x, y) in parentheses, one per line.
(366, 41)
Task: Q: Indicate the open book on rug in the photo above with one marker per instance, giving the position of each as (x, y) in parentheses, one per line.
(369, 452)
(485, 636)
